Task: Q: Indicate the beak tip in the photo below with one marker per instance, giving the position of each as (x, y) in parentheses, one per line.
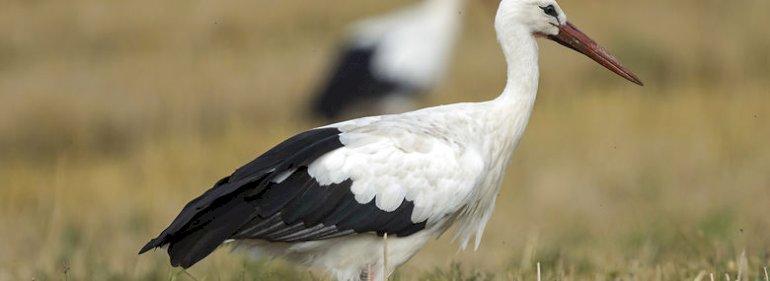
(633, 78)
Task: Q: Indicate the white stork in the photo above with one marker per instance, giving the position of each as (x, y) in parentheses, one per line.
(388, 60)
(326, 197)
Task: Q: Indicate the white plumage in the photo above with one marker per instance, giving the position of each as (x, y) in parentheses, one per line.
(327, 197)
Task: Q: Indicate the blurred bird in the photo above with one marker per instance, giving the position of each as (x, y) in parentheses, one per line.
(387, 61)
(329, 196)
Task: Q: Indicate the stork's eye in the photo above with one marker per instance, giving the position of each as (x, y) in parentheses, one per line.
(550, 10)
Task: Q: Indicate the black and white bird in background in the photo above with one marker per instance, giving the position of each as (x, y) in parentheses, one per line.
(328, 196)
(387, 62)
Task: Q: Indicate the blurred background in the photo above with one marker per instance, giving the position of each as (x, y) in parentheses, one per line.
(114, 114)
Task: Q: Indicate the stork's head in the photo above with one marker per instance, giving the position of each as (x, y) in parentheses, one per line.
(544, 18)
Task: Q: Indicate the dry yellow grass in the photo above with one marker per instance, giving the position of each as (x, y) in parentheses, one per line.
(113, 114)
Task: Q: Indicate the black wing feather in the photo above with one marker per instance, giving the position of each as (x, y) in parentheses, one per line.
(278, 196)
(197, 243)
(302, 206)
(249, 205)
(302, 148)
(335, 196)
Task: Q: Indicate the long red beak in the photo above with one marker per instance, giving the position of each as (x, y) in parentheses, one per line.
(573, 38)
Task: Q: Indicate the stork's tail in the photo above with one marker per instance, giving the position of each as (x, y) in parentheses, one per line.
(210, 227)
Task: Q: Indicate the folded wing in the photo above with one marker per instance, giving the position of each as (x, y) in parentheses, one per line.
(324, 184)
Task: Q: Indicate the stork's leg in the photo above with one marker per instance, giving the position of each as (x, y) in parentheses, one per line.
(368, 274)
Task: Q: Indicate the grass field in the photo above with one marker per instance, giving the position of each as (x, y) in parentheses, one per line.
(113, 114)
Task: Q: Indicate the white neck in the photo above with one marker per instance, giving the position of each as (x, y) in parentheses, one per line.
(506, 117)
(509, 113)
(521, 55)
